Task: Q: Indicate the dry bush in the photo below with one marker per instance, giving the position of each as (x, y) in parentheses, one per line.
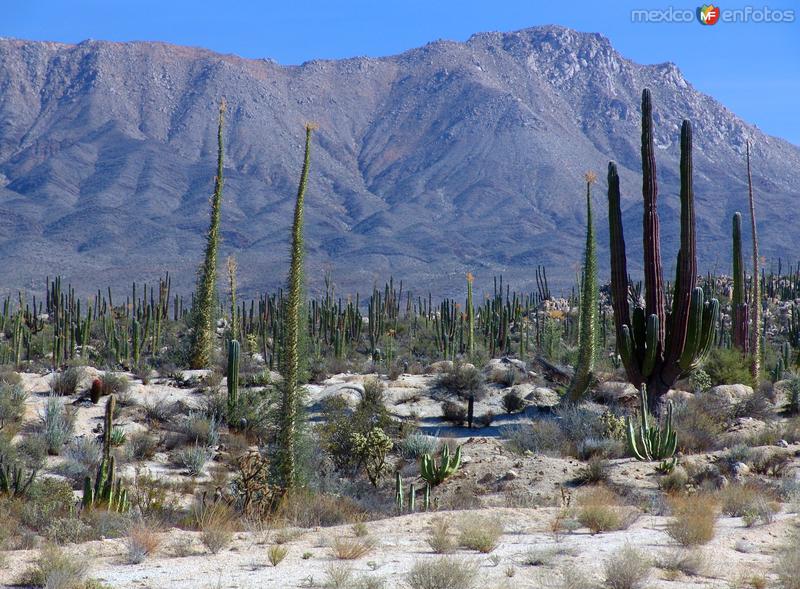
(55, 569)
(345, 548)
(772, 462)
(276, 553)
(443, 573)
(690, 562)
(675, 481)
(693, 519)
(440, 538)
(143, 540)
(600, 510)
(627, 568)
(304, 508)
(479, 533)
(740, 500)
(572, 578)
(338, 576)
(217, 524)
(595, 471)
(788, 563)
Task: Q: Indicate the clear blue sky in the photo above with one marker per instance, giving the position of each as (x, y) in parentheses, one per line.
(753, 68)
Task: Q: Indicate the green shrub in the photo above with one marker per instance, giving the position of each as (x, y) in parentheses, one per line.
(454, 412)
(462, 380)
(416, 445)
(513, 403)
(55, 569)
(12, 403)
(57, 424)
(65, 383)
(727, 366)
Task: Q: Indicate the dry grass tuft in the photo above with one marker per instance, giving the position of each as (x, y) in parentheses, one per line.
(627, 568)
(345, 548)
(443, 573)
(217, 524)
(276, 553)
(480, 533)
(143, 540)
(601, 511)
(440, 537)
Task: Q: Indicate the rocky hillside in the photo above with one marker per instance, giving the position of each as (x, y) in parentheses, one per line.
(447, 158)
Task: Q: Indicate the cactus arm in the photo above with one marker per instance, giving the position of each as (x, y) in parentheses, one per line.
(694, 331)
(651, 346)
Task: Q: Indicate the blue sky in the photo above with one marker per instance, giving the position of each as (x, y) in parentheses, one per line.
(753, 68)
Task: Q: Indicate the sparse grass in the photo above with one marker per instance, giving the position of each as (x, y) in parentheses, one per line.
(443, 573)
(216, 523)
(788, 563)
(193, 459)
(65, 384)
(479, 533)
(627, 568)
(440, 537)
(595, 471)
(160, 410)
(693, 519)
(345, 548)
(416, 444)
(57, 424)
(690, 562)
(276, 553)
(141, 446)
(338, 576)
(675, 481)
(142, 541)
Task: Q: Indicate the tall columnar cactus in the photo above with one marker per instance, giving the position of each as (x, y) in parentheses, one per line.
(470, 316)
(587, 342)
(106, 490)
(203, 311)
(291, 353)
(739, 311)
(755, 299)
(648, 442)
(657, 347)
(233, 379)
(435, 475)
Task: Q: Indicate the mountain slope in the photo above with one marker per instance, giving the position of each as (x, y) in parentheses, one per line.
(447, 158)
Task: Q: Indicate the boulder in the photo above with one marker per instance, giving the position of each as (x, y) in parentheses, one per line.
(497, 369)
(542, 397)
(439, 367)
(727, 395)
(615, 392)
(350, 392)
(678, 397)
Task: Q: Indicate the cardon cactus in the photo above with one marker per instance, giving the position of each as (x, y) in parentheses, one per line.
(656, 346)
(435, 475)
(105, 491)
(233, 379)
(651, 443)
(739, 308)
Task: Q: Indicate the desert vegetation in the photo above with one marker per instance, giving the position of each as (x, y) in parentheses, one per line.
(604, 439)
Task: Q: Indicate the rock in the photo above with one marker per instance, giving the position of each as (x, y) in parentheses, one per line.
(678, 396)
(543, 397)
(782, 444)
(726, 395)
(740, 470)
(510, 475)
(497, 369)
(615, 392)
(745, 547)
(486, 479)
(351, 392)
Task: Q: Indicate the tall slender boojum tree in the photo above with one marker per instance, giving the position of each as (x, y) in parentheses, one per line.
(203, 312)
(587, 336)
(755, 299)
(291, 347)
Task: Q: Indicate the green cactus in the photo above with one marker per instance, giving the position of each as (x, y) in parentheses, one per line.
(755, 299)
(13, 481)
(398, 491)
(106, 491)
(203, 311)
(651, 443)
(739, 309)
(233, 379)
(470, 317)
(435, 475)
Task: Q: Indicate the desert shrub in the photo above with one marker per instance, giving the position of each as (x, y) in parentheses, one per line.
(454, 412)
(142, 541)
(340, 422)
(793, 396)
(55, 569)
(693, 519)
(152, 497)
(737, 499)
(143, 371)
(141, 446)
(345, 548)
(276, 553)
(161, 410)
(307, 509)
(591, 448)
(540, 437)
(788, 563)
(338, 576)
(675, 481)
(48, 499)
(462, 380)
(216, 523)
(32, 451)
(697, 426)
(374, 393)
(416, 444)
(12, 403)
(479, 533)
(771, 461)
(193, 458)
(57, 424)
(486, 419)
(700, 381)
(440, 537)
(65, 384)
(687, 561)
(106, 524)
(371, 451)
(66, 530)
(627, 568)
(572, 578)
(725, 366)
(600, 510)
(513, 403)
(82, 455)
(201, 429)
(595, 471)
(443, 573)
(761, 511)
(114, 384)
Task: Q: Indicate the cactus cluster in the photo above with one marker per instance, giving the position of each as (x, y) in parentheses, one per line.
(448, 464)
(650, 442)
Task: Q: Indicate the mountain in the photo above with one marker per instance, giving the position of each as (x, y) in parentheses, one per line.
(449, 158)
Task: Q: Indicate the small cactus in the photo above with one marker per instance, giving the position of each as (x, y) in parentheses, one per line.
(435, 475)
(651, 443)
(233, 379)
